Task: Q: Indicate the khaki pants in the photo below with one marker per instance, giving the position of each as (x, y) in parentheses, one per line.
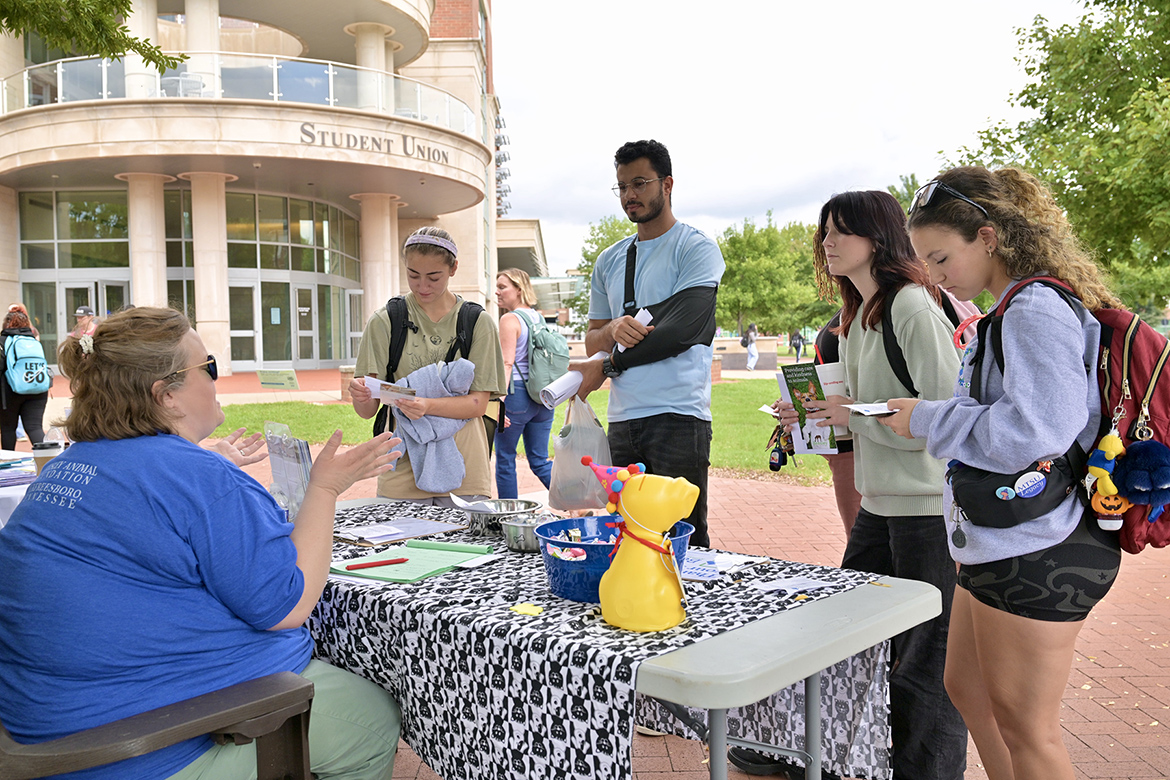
(353, 733)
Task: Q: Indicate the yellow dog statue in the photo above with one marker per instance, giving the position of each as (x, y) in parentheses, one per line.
(642, 590)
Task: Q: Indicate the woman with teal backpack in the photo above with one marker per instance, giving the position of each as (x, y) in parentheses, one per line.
(524, 417)
(16, 406)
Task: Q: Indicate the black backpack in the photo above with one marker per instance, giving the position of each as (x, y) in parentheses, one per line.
(464, 331)
(894, 354)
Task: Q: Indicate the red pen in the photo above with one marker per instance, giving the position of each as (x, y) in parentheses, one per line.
(369, 564)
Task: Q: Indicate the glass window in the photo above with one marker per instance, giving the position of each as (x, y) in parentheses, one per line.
(273, 218)
(349, 232)
(304, 258)
(40, 298)
(94, 254)
(36, 216)
(334, 228)
(241, 216)
(175, 298)
(174, 254)
(89, 215)
(276, 325)
(274, 256)
(173, 213)
(301, 221)
(241, 315)
(36, 256)
(321, 217)
(241, 255)
(326, 333)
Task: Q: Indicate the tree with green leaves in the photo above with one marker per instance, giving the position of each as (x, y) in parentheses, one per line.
(905, 189)
(602, 235)
(1100, 98)
(84, 26)
(769, 278)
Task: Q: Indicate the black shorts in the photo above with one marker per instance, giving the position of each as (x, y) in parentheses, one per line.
(1060, 584)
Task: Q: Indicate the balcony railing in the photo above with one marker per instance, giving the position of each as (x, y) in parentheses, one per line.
(216, 75)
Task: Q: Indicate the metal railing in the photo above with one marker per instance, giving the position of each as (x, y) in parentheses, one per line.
(222, 75)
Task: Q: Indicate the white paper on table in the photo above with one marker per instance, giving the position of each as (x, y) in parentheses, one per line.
(871, 410)
(375, 533)
(644, 317)
(566, 386)
(790, 584)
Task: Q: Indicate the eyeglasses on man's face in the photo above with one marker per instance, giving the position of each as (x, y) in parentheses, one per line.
(207, 365)
(925, 195)
(636, 186)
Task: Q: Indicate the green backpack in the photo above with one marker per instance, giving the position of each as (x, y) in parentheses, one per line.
(548, 356)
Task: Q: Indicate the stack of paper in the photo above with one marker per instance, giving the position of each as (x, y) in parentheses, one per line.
(420, 559)
(396, 530)
(705, 565)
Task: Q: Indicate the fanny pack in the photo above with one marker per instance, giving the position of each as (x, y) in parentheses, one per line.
(994, 500)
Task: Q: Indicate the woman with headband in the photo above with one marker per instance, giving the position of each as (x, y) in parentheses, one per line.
(432, 316)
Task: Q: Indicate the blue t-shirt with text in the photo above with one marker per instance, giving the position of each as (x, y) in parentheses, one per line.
(134, 574)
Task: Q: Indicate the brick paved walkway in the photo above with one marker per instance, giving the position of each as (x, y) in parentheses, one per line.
(1117, 703)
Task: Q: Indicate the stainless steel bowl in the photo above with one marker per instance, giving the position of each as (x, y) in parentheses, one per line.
(487, 523)
(520, 533)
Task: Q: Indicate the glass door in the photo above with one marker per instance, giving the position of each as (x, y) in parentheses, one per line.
(306, 356)
(242, 325)
(76, 295)
(113, 296)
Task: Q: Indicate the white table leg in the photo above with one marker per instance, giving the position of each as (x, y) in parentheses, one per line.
(812, 726)
(717, 744)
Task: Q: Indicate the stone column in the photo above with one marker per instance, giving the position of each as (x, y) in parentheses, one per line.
(203, 36)
(209, 234)
(393, 100)
(9, 248)
(379, 247)
(148, 237)
(142, 79)
(370, 45)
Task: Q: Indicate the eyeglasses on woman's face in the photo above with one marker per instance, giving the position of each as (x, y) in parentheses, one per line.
(207, 365)
(925, 195)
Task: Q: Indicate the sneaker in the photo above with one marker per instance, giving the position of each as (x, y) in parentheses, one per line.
(753, 762)
(646, 731)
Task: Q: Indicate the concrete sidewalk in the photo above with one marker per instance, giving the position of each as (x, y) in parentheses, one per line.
(1117, 702)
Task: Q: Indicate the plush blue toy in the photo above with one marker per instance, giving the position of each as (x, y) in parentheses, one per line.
(1143, 475)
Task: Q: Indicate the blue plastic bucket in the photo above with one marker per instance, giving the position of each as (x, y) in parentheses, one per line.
(578, 580)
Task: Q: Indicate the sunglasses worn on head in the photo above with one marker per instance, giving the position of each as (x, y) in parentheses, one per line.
(207, 365)
(926, 194)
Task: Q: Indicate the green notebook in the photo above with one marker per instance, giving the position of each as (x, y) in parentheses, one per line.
(423, 559)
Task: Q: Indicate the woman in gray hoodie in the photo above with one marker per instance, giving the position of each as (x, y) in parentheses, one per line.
(1024, 590)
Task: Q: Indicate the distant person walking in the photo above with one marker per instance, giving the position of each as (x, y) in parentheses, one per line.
(796, 341)
(87, 322)
(753, 351)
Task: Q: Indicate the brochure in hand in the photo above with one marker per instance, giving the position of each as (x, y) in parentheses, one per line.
(801, 386)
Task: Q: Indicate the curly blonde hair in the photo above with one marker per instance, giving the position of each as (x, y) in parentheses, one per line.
(1034, 235)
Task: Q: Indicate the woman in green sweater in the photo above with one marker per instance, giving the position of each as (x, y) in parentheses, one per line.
(862, 248)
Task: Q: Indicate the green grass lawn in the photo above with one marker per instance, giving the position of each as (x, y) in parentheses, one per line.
(740, 430)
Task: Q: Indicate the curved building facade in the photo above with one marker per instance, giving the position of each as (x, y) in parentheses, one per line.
(265, 184)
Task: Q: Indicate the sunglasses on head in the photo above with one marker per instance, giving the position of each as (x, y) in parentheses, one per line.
(926, 193)
(207, 365)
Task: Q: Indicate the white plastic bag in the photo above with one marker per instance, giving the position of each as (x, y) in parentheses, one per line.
(573, 484)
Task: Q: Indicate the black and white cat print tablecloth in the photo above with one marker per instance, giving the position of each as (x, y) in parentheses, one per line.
(490, 693)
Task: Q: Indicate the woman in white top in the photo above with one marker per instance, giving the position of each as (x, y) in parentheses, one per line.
(524, 416)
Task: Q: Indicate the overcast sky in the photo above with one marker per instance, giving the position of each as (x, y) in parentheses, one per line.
(763, 104)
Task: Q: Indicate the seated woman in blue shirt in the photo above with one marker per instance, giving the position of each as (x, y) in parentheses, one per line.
(141, 569)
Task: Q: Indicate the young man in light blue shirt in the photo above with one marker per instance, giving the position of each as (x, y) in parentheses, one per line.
(660, 397)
